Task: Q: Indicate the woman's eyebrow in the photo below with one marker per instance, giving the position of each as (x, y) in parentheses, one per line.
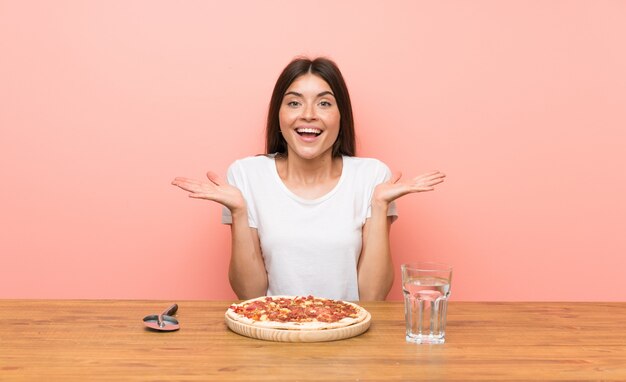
(293, 93)
(300, 94)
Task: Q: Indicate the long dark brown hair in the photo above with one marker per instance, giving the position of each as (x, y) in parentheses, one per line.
(329, 72)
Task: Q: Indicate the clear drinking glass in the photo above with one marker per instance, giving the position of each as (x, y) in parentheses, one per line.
(426, 288)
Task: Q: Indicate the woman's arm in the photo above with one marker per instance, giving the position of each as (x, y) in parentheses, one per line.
(375, 268)
(246, 272)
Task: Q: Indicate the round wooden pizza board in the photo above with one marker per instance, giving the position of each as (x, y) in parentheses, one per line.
(285, 335)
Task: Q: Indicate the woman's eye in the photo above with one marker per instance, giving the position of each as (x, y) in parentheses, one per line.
(293, 103)
(325, 104)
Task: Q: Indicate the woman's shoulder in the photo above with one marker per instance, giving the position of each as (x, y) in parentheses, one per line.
(365, 164)
(252, 163)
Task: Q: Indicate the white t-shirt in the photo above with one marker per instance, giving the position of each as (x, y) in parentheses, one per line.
(309, 246)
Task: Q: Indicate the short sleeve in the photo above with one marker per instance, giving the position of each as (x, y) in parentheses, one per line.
(236, 176)
(381, 174)
(227, 217)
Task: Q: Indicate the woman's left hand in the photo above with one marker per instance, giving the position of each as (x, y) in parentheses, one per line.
(394, 188)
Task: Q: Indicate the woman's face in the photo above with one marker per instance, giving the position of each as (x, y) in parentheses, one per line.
(309, 117)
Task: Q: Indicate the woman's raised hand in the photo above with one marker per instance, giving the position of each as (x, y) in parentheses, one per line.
(215, 189)
(395, 188)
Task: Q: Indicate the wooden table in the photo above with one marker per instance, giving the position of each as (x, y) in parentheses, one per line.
(106, 340)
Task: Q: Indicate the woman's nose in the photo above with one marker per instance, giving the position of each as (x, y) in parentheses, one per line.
(308, 112)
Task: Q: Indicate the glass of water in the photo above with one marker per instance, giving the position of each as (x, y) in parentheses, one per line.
(426, 288)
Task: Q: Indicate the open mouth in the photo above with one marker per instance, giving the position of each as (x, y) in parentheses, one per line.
(308, 132)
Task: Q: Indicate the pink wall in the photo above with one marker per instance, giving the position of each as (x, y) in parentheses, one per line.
(102, 103)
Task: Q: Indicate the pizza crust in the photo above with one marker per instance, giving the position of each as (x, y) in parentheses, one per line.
(311, 325)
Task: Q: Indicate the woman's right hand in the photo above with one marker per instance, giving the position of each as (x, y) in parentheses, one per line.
(215, 189)
(246, 271)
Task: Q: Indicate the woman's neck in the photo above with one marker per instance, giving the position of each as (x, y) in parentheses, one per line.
(309, 178)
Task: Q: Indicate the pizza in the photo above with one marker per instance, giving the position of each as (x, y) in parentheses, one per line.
(297, 313)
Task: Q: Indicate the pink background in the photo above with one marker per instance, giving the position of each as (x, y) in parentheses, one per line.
(521, 103)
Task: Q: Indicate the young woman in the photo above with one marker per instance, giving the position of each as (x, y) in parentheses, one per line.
(309, 217)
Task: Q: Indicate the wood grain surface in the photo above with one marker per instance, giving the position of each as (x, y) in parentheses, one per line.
(106, 340)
